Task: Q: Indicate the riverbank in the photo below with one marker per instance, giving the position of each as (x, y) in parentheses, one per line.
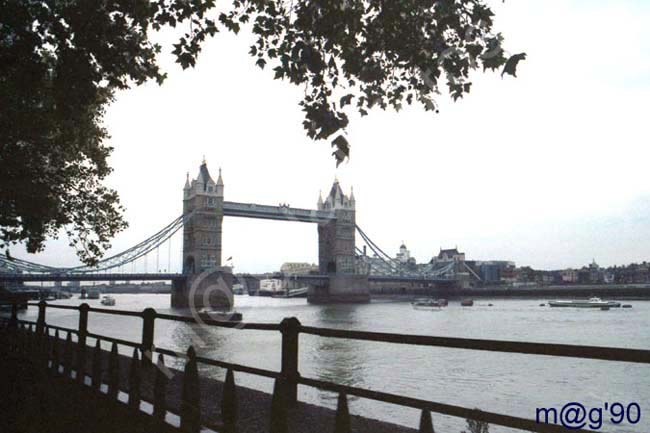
(254, 405)
(629, 292)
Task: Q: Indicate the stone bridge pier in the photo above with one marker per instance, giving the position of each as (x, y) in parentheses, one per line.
(348, 282)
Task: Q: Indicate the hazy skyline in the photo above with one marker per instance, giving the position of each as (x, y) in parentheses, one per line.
(547, 169)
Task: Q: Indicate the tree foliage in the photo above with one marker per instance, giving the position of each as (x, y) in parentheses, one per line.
(61, 63)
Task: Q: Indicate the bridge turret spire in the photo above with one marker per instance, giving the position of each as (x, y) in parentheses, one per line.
(320, 200)
(337, 198)
(219, 188)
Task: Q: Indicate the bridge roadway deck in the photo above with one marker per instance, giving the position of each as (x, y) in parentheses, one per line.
(91, 277)
(282, 213)
(8, 277)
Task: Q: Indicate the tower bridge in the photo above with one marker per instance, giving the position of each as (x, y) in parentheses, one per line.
(203, 198)
(344, 270)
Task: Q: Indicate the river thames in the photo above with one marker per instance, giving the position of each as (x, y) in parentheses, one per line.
(511, 384)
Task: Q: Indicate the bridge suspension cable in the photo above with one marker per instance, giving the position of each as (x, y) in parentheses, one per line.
(129, 256)
(393, 266)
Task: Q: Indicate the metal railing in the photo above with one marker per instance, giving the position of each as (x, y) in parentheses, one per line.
(289, 378)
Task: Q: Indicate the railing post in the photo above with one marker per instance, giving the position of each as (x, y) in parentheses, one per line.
(148, 326)
(83, 324)
(40, 323)
(290, 329)
(190, 397)
(159, 390)
(229, 404)
(426, 425)
(81, 342)
(342, 420)
(134, 381)
(13, 321)
(278, 420)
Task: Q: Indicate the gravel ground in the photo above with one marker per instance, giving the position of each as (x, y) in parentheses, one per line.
(254, 406)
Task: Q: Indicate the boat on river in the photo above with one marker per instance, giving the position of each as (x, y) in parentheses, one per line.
(220, 315)
(581, 303)
(429, 303)
(293, 293)
(108, 301)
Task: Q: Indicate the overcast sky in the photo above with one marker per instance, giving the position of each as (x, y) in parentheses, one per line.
(548, 169)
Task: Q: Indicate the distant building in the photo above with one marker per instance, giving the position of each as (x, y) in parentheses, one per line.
(404, 254)
(298, 268)
(525, 274)
(569, 276)
(595, 273)
(449, 255)
(403, 262)
(498, 271)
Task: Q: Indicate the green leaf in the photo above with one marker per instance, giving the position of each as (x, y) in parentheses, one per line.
(342, 149)
(346, 100)
(511, 64)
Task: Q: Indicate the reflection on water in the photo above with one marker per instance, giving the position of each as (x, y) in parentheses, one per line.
(337, 360)
(507, 383)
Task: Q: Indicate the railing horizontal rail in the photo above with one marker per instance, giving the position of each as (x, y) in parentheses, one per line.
(220, 323)
(116, 312)
(63, 329)
(91, 309)
(566, 350)
(113, 340)
(443, 408)
(61, 307)
(223, 364)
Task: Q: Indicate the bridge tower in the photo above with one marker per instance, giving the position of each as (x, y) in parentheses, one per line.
(208, 284)
(336, 252)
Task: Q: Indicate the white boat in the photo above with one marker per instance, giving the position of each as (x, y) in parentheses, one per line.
(270, 287)
(108, 301)
(293, 293)
(426, 303)
(591, 303)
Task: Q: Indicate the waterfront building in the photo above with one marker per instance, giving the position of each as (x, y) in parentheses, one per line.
(404, 254)
(595, 273)
(448, 255)
(525, 274)
(403, 262)
(298, 268)
(569, 276)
